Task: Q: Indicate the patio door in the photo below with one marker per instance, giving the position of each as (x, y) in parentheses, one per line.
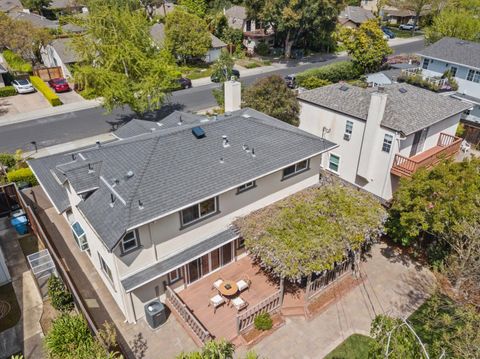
(227, 253)
(194, 270)
(215, 259)
(418, 141)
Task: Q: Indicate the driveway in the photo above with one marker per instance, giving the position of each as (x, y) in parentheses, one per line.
(22, 103)
(70, 97)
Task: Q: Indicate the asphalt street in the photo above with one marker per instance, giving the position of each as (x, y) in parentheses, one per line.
(58, 129)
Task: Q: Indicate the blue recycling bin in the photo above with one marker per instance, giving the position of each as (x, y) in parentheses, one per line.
(20, 224)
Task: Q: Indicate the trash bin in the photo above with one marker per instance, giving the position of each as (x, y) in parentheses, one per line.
(155, 313)
(20, 224)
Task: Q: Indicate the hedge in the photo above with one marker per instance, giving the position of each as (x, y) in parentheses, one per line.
(7, 91)
(7, 159)
(22, 175)
(46, 91)
(15, 62)
(338, 71)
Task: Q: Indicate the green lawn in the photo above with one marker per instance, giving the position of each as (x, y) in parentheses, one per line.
(196, 72)
(404, 33)
(7, 295)
(354, 347)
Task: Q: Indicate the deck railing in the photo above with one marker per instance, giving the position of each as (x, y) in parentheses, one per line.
(269, 305)
(189, 319)
(316, 286)
(439, 82)
(447, 146)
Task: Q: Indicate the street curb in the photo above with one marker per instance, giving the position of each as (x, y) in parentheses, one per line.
(48, 112)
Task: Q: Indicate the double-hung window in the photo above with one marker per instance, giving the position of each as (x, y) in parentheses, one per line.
(333, 162)
(246, 186)
(387, 143)
(453, 71)
(425, 63)
(473, 76)
(348, 130)
(105, 268)
(296, 168)
(199, 211)
(130, 242)
(174, 275)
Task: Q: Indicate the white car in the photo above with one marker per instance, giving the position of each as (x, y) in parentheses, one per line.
(23, 86)
(408, 27)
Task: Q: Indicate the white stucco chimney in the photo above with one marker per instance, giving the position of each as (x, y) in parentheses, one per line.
(233, 95)
(370, 144)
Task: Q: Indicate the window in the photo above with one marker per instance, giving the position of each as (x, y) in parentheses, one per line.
(175, 275)
(80, 237)
(425, 63)
(476, 78)
(473, 76)
(296, 168)
(348, 130)
(105, 268)
(334, 162)
(246, 186)
(453, 71)
(387, 143)
(198, 211)
(129, 242)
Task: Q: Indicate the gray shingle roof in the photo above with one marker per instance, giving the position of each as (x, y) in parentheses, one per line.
(172, 169)
(216, 42)
(9, 5)
(167, 265)
(405, 112)
(42, 22)
(3, 70)
(63, 4)
(454, 50)
(65, 51)
(239, 12)
(356, 14)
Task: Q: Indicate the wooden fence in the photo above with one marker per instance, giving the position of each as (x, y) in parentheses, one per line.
(316, 286)
(48, 73)
(268, 305)
(177, 305)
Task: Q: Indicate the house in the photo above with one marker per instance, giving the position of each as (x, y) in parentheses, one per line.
(60, 53)
(462, 59)
(67, 6)
(3, 71)
(41, 22)
(384, 133)
(10, 5)
(354, 16)
(157, 32)
(154, 208)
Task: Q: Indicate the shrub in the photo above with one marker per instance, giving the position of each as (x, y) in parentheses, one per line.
(313, 82)
(263, 321)
(252, 65)
(7, 159)
(262, 49)
(338, 71)
(46, 91)
(15, 62)
(7, 91)
(61, 298)
(22, 175)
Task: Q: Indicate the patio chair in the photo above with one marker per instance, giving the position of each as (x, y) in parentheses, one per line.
(243, 284)
(217, 283)
(216, 301)
(239, 303)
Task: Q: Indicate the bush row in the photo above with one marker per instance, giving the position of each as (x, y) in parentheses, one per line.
(338, 71)
(15, 62)
(46, 91)
(7, 91)
(22, 175)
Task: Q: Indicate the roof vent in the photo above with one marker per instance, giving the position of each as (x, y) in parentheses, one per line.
(140, 204)
(245, 148)
(203, 120)
(74, 157)
(98, 144)
(180, 121)
(221, 160)
(90, 168)
(130, 174)
(246, 115)
(115, 182)
(159, 124)
(225, 141)
(403, 90)
(198, 132)
(344, 88)
(112, 200)
(152, 129)
(253, 152)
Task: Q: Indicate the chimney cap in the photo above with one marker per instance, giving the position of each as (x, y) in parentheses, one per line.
(381, 89)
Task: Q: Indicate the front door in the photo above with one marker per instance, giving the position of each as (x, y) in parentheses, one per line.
(418, 141)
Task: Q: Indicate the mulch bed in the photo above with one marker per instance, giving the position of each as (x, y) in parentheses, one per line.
(9, 308)
(49, 314)
(253, 336)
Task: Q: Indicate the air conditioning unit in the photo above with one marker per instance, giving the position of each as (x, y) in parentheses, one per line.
(347, 136)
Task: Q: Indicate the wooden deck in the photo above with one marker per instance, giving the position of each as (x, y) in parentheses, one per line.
(221, 324)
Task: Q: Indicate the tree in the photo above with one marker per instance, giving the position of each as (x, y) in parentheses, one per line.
(60, 297)
(36, 5)
(196, 7)
(416, 6)
(366, 45)
(311, 230)
(186, 35)
(271, 95)
(222, 68)
(215, 350)
(119, 62)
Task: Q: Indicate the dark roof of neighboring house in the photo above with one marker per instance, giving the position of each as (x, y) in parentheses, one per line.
(201, 168)
(42, 22)
(216, 42)
(65, 50)
(63, 4)
(167, 265)
(163, 12)
(157, 32)
(450, 49)
(3, 70)
(355, 14)
(236, 15)
(407, 111)
(9, 5)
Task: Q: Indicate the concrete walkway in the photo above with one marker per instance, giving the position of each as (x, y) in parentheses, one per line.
(26, 336)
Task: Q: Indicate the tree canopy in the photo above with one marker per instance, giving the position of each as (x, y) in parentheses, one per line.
(310, 230)
(366, 45)
(271, 95)
(196, 7)
(120, 62)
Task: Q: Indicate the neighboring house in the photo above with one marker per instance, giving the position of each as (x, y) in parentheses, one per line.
(164, 9)
(10, 5)
(60, 53)
(3, 71)
(155, 207)
(42, 22)
(378, 79)
(67, 6)
(157, 32)
(354, 16)
(383, 133)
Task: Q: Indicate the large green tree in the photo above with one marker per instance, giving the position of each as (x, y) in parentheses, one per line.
(271, 95)
(186, 35)
(120, 62)
(197, 7)
(366, 45)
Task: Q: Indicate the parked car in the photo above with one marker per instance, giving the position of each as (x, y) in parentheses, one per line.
(23, 86)
(215, 78)
(184, 83)
(388, 32)
(291, 81)
(408, 27)
(59, 85)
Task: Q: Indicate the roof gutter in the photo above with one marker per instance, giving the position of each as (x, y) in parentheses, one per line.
(44, 190)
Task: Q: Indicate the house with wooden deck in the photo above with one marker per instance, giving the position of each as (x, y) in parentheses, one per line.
(384, 133)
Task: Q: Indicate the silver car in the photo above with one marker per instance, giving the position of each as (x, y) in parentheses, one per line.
(23, 86)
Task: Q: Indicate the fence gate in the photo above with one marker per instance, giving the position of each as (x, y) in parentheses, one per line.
(43, 267)
(48, 73)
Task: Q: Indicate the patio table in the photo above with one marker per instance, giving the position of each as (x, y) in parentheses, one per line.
(228, 288)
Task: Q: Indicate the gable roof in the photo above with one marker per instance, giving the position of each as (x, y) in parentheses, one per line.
(42, 22)
(9, 5)
(65, 51)
(355, 14)
(238, 12)
(152, 175)
(454, 50)
(406, 112)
